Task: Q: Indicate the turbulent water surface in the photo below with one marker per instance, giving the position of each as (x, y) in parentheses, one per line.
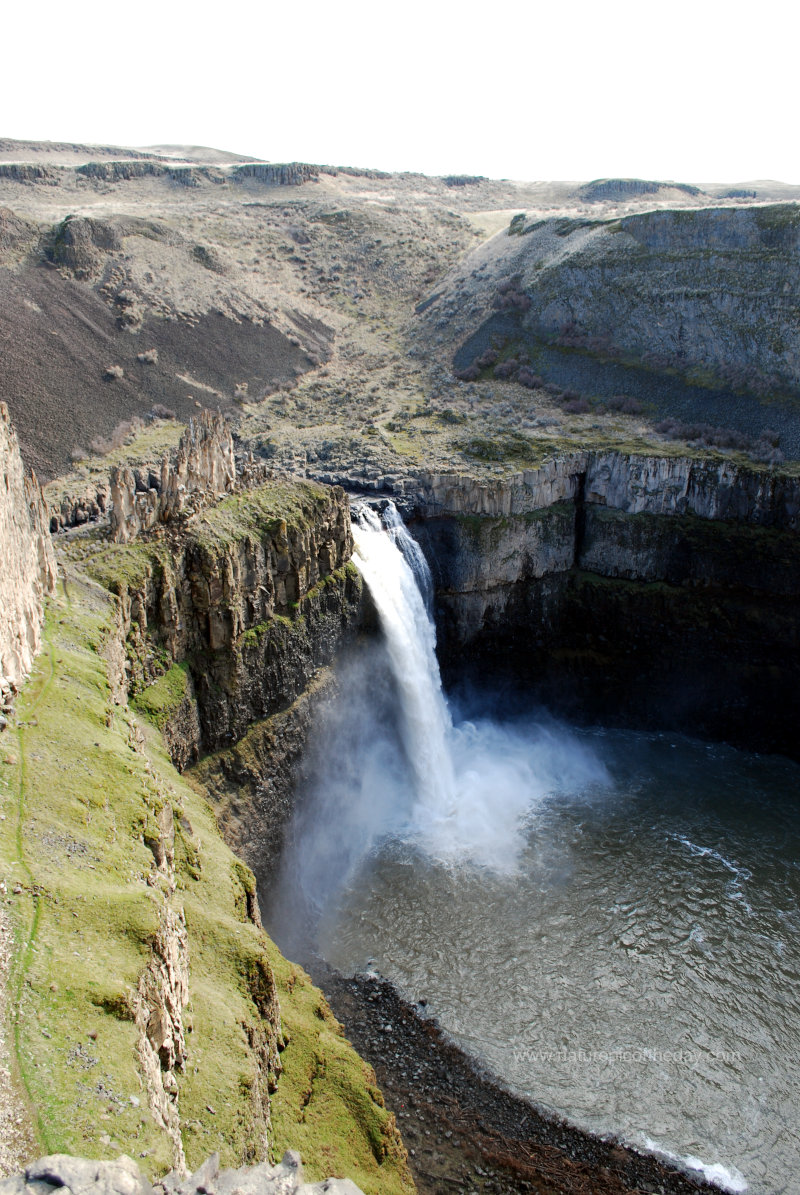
(610, 920)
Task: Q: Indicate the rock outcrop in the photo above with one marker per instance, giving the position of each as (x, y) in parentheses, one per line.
(630, 482)
(17, 236)
(27, 562)
(254, 595)
(82, 1176)
(230, 625)
(619, 189)
(711, 293)
(287, 174)
(80, 243)
(26, 172)
(203, 468)
(657, 591)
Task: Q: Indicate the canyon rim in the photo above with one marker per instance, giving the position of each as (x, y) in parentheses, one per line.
(582, 399)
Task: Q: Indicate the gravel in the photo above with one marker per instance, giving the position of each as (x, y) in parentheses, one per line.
(463, 1131)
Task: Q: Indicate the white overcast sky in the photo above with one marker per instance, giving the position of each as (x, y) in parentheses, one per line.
(694, 90)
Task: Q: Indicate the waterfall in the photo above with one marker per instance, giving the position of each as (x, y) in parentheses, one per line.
(388, 768)
(474, 783)
(397, 575)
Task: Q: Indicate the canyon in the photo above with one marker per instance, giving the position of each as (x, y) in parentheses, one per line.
(305, 324)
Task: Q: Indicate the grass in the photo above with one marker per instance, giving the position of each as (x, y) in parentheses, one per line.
(81, 789)
(148, 446)
(160, 700)
(246, 516)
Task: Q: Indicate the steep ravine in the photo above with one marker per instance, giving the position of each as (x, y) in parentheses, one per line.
(596, 582)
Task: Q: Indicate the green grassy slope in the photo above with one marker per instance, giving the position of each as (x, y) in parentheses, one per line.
(82, 784)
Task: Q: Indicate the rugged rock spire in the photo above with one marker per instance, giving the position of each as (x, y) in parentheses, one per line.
(204, 465)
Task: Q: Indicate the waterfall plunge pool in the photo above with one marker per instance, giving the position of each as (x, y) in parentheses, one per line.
(608, 920)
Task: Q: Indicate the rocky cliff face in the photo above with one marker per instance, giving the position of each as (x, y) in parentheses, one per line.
(650, 590)
(251, 598)
(203, 468)
(156, 1012)
(712, 293)
(27, 563)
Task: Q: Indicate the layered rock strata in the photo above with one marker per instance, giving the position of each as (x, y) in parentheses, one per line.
(27, 562)
(710, 293)
(659, 591)
(253, 597)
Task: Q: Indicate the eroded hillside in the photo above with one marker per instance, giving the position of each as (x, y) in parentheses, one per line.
(587, 397)
(326, 310)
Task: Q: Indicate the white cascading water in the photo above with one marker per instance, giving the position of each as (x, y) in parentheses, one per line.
(474, 782)
(411, 642)
(485, 863)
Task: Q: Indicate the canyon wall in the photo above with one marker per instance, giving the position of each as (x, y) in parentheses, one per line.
(711, 293)
(252, 597)
(651, 591)
(27, 563)
(230, 624)
(157, 1014)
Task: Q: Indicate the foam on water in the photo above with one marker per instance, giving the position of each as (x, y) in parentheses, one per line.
(728, 1178)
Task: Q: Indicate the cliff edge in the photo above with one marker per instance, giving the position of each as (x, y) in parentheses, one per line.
(27, 562)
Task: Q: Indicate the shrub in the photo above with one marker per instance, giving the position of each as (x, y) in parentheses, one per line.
(159, 411)
(624, 404)
(149, 357)
(764, 449)
(105, 444)
(511, 296)
(506, 369)
(470, 374)
(113, 372)
(576, 406)
(530, 380)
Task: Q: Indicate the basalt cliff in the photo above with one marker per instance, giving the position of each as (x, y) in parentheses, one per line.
(152, 1012)
(654, 591)
(27, 563)
(207, 383)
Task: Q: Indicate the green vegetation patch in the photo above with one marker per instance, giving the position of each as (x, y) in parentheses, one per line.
(84, 788)
(127, 567)
(505, 446)
(328, 1105)
(247, 515)
(145, 447)
(159, 701)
